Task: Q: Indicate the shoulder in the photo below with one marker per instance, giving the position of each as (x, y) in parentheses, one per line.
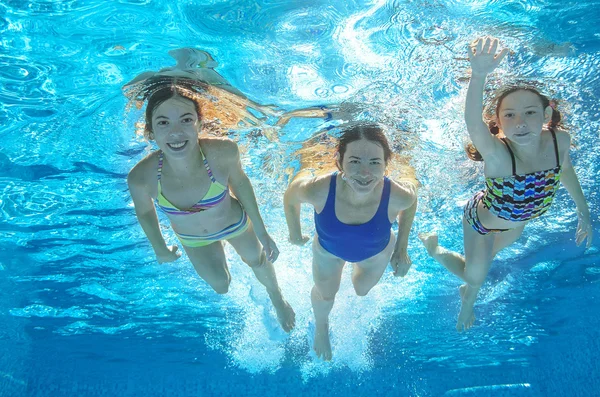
(403, 193)
(312, 189)
(563, 139)
(220, 150)
(144, 170)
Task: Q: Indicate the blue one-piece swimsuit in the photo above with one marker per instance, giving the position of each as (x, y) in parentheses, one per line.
(354, 243)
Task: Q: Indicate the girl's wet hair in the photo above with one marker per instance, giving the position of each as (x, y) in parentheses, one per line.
(554, 122)
(370, 132)
(164, 92)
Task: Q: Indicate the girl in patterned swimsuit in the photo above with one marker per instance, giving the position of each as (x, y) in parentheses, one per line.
(523, 170)
(187, 168)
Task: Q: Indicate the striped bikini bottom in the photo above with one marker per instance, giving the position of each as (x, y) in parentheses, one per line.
(231, 231)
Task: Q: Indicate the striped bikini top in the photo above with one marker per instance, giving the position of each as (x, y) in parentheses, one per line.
(216, 193)
(521, 197)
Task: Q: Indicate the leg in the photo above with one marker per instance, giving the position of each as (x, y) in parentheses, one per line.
(251, 252)
(503, 240)
(472, 268)
(327, 274)
(210, 264)
(366, 274)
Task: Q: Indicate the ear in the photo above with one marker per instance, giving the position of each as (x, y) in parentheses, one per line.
(151, 135)
(548, 114)
(337, 160)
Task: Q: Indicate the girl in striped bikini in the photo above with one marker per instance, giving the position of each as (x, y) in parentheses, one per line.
(187, 168)
(526, 157)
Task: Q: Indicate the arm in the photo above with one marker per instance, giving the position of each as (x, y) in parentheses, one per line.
(483, 60)
(570, 181)
(146, 215)
(294, 196)
(242, 189)
(406, 200)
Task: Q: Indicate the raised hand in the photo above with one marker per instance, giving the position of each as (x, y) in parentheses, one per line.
(483, 56)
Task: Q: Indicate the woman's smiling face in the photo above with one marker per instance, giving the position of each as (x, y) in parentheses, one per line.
(363, 165)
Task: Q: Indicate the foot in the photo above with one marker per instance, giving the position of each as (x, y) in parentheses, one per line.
(430, 241)
(285, 313)
(466, 318)
(322, 345)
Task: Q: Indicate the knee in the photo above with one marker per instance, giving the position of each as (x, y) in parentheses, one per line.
(221, 286)
(361, 290)
(256, 261)
(324, 295)
(475, 279)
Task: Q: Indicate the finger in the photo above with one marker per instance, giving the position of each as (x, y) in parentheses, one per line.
(494, 47)
(479, 46)
(501, 55)
(486, 45)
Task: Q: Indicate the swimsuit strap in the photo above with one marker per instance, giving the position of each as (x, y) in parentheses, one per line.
(512, 156)
(160, 164)
(210, 174)
(555, 146)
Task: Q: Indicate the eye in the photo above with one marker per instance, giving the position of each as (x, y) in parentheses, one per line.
(354, 161)
(508, 115)
(188, 120)
(530, 112)
(162, 123)
(376, 162)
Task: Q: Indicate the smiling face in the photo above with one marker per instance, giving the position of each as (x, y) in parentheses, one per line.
(521, 116)
(363, 164)
(175, 125)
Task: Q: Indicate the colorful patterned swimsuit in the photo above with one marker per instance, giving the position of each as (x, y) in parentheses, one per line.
(215, 195)
(516, 197)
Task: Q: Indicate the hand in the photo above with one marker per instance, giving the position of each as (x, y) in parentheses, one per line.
(584, 230)
(170, 255)
(299, 241)
(269, 247)
(400, 262)
(483, 57)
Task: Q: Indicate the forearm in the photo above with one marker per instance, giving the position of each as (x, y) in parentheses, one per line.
(244, 192)
(405, 221)
(570, 181)
(151, 227)
(474, 100)
(292, 218)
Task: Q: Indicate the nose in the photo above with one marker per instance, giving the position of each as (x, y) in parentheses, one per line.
(519, 121)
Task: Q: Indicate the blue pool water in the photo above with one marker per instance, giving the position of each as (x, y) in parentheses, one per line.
(86, 310)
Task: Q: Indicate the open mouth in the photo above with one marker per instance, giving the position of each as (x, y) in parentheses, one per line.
(176, 146)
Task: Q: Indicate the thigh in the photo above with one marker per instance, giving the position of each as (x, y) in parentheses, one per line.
(248, 247)
(209, 261)
(478, 254)
(327, 269)
(504, 239)
(368, 272)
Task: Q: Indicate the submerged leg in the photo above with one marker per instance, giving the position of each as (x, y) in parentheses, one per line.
(327, 274)
(251, 252)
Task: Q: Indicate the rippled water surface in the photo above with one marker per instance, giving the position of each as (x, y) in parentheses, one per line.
(85, 308)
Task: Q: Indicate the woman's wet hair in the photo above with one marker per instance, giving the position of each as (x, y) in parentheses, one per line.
(163, 93)
(494, 108)
(370, 132)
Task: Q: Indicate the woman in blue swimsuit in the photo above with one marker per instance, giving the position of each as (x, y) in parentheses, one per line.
(354, 212)
(526, 157)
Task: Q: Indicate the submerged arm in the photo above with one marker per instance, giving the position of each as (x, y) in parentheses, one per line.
(242, 189)
(293, 198)
(406, 200)
(146, 215)
(570, 181)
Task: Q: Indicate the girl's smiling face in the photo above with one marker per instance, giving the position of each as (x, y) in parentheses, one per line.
(175, 125)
